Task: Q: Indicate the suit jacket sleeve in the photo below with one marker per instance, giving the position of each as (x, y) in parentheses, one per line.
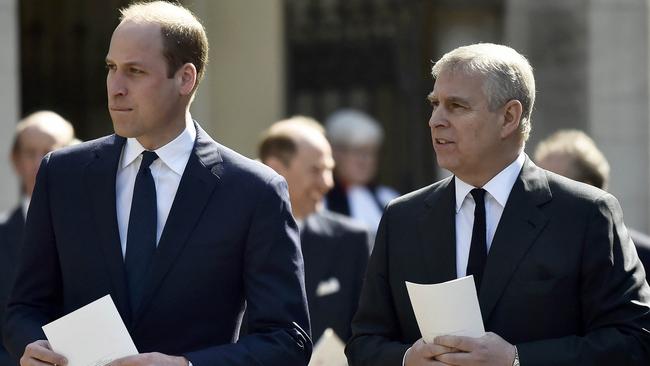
(375, 327)
(36, 295)
(278, 322)
(614, 298)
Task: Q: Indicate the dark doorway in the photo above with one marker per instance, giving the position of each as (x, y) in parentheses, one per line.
(375, 55)
(62, 48)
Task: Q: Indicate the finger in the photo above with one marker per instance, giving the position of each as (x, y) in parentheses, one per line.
(124, 361)
(40, 351)
(466, 344)
(433, 350)
(457, 359)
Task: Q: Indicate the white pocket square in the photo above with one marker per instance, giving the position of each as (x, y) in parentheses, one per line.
(328, 287)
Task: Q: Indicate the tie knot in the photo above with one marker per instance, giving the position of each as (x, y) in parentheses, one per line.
(478, 194)
(148, 157)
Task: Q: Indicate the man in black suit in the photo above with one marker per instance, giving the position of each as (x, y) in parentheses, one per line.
(558, 279)
(573, 154)
(335, 248)
(182, 232)
(35, 136)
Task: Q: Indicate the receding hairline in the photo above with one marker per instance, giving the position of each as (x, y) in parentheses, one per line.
(299, 130)
(160, 12)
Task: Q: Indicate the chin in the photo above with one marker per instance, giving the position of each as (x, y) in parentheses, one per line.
(123, 131)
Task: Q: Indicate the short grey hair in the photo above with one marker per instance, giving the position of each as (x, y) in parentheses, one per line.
(351, 127)
(508, 76)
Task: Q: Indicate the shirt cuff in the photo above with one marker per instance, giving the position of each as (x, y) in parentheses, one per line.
(403, 358)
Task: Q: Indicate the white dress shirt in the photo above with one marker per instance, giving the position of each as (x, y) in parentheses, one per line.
(167, 171)
(363, 204)
(497, 192)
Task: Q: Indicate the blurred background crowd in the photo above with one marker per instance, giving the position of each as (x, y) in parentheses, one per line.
(277, 58)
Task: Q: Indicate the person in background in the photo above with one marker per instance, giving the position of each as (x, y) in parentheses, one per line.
(557, 276)
(34, 137)
(335, 248)
(182, 232)
(356, 139)
(573, 154)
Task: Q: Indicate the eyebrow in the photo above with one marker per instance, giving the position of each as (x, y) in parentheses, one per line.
(129, 63)
(452, 99)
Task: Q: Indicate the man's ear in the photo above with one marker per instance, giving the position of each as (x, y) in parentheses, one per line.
(276, 164)
(512, 111)
(186, 77)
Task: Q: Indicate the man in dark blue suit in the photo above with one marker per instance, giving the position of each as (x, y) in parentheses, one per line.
(182, 232)
(335, 248)
(36, 135)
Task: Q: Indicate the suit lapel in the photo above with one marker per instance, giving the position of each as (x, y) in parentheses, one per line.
(199, 179)
(100, 177)
(519, 226)
(439, 246)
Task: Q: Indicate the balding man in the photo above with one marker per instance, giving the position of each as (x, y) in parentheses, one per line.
(335, 248)
(35, 136)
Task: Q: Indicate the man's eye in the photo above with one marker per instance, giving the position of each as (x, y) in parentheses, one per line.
(434, 105)
(135, 71)
(110, 67)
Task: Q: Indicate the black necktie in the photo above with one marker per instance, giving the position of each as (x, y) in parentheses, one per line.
(478, 249)
(141, 236)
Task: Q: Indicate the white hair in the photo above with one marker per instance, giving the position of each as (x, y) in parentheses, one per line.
(350, 127)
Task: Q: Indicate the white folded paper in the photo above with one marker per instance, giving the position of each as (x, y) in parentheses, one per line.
(93, 335)
(447, 308)
(329, 351)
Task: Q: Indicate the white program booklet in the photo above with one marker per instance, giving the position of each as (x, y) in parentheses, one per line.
(93, 335)
(447, 308)
(329, 351)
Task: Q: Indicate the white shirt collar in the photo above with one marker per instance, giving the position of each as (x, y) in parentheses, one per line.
(174, 154)
(498, 187)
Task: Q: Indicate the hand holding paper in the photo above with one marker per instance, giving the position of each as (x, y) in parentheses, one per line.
(40, 352)
(448, 308)
(93, 335)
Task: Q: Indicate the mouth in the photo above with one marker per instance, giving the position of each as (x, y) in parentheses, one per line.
(120, 109)
(440, 141)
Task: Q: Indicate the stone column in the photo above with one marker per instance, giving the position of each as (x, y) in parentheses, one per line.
(618, 100)
(9, 103)
(243, 92)
(591, 67)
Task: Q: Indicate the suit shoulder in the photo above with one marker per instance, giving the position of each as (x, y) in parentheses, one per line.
(75, 154)
(340, 223)
(338, 231)
(574, 191)
(419, 196)
(240, 165)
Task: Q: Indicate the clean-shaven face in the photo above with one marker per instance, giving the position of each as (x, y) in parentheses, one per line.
(465, 133)
(142, 100)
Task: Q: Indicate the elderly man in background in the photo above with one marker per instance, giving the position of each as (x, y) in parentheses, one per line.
(356, 139)
(35, 136)
(335, 248)
(573, 154)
